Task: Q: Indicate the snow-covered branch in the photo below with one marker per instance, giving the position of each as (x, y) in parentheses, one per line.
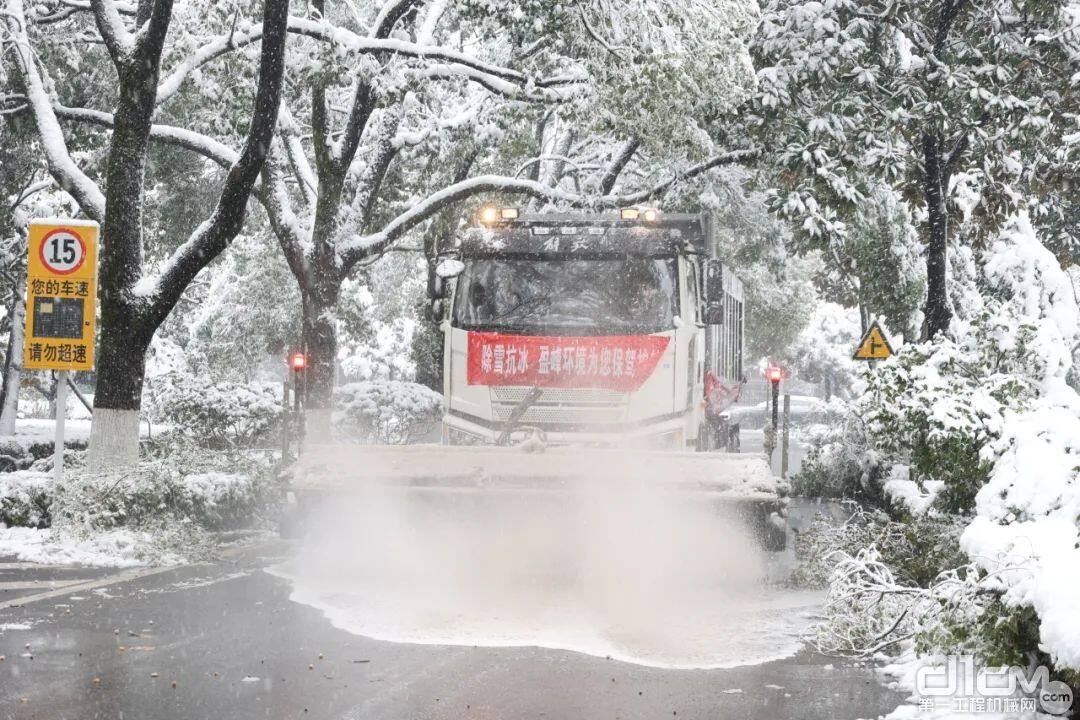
(204, 145)
(530, 92)
(618, 164)
(361, 246)
(377, 162)
(392, 11)
(207, 53)
(358, 247)
(728, 158)
(411, 138)
(294, 148)
(62, 167)
(452, 61)
(120, 43)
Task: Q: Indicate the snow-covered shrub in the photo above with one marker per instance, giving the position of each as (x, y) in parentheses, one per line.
(187, 486)
(13, 455)
(987, 414)
(389, 411)
(840, 461)
(935, 406)
(217, 414)
(1027, 527)
(25, 498)
(915, 552)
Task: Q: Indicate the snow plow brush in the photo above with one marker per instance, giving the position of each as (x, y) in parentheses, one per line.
(465, 483)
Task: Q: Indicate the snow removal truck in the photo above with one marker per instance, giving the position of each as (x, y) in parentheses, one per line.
(599, 348)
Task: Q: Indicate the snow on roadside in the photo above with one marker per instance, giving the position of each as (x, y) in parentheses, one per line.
(111, 548)
(899, 673)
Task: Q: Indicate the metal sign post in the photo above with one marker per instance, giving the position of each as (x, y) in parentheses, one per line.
(61, 293)
(61, 416)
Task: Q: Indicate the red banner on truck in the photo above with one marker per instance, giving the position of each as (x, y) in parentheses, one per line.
(615, 362)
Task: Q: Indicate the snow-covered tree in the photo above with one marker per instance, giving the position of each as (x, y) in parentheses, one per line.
(822, 352)
(247, 318)
(133, 303)
(779, 284)
(947, 101)
(402, 110)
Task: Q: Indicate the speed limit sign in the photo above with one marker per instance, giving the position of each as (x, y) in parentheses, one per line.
(62, 251)
(61, 294)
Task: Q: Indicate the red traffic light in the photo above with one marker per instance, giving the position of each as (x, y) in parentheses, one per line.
(774, 373)
(298, 361)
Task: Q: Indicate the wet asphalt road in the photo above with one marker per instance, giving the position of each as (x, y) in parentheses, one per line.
(236, 647)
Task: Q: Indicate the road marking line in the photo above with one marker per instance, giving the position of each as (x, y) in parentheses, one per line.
(34, 566)
(36, 584)
(116, 578)
(120, 577)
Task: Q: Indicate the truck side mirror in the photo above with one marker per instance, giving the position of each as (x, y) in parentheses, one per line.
(435, 311)
(447, 267)
(714, 292)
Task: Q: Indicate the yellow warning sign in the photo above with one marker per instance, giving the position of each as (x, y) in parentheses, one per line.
(61, 292)
(874, 345)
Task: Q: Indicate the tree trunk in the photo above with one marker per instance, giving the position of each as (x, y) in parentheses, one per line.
(938, 312)
(9, 396)
(320, 344)
(121, 369)
(128, 323)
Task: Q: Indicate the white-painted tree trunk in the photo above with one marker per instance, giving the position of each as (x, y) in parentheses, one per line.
(13, 377)
(114, 440)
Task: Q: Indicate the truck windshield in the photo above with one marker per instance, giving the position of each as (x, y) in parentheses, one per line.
(567, 296)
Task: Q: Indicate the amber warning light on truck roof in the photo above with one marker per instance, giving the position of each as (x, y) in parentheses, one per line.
(489, 214)
(634, 213)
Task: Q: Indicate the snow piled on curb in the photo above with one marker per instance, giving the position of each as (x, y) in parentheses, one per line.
(111, 548)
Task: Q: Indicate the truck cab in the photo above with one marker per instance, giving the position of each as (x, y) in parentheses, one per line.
(596, 329)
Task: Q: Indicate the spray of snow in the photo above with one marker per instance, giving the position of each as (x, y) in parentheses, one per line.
(606, 568)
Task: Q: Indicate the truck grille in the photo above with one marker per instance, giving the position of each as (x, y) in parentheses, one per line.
(562, 405)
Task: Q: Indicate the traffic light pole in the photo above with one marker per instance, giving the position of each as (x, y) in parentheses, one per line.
(775, 404)
(298, 418)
